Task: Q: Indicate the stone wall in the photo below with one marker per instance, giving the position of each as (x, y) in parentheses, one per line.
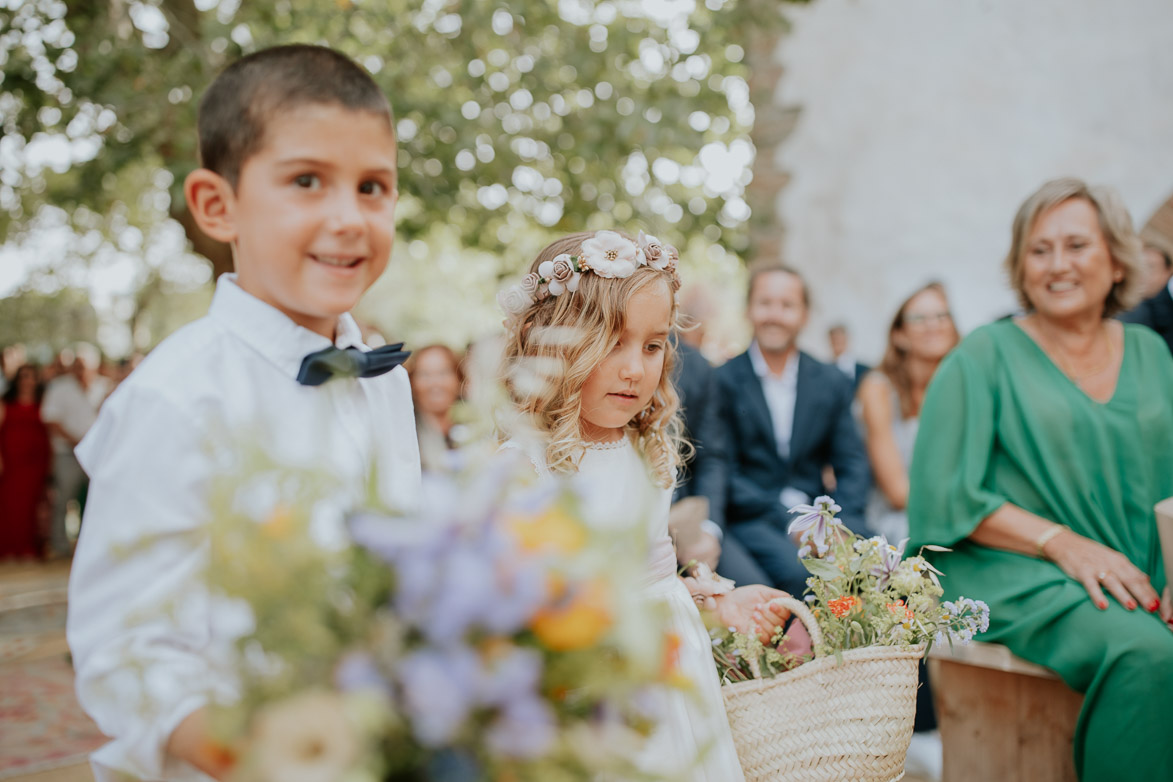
(925, 123)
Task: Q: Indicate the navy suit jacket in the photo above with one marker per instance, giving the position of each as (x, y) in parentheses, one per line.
(1157, 314)
(823, 433)
(704, 474)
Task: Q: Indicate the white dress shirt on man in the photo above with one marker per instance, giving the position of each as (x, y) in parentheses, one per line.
(150, 645)
(781, 392)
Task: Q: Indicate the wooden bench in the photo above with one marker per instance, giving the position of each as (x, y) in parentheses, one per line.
(1002, 718)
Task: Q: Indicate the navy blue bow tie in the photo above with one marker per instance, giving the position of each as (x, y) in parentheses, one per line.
(321, 365)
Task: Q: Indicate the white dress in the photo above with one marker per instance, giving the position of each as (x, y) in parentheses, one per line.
(619, 487)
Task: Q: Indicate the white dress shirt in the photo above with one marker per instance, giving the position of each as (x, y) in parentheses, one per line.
(781, 390)
(150, 645)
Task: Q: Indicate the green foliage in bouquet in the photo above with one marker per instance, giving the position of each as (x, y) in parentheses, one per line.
(491, 635)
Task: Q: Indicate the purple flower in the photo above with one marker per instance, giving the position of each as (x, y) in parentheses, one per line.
(439, 689)
(815, 523)
(357, 671)
(525, 728)
(890, 557)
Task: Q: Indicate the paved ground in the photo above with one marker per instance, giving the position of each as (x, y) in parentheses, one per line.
(32, 627)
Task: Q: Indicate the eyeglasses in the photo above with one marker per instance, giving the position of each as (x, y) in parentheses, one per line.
(924, 320)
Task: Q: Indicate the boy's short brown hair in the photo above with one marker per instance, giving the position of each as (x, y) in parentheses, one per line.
(237, 107)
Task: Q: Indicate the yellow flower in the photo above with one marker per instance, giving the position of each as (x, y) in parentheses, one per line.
(553, 530)
(576, 623)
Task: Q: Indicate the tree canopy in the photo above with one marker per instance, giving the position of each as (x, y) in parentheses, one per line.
(514, 119)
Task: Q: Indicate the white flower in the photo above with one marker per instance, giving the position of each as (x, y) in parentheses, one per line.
(513, 300)
(609, 255)
(306, 738)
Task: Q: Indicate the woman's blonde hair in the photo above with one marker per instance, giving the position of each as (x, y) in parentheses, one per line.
(1116, 224)
(895, 362)
(553, 346)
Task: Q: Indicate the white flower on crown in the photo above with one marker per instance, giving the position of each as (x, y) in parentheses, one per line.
(608, 254)
(560, 273)
(514, 301)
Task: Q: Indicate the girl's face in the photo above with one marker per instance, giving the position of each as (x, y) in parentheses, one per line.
(623, 384)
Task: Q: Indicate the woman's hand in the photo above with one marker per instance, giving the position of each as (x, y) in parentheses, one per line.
(748, 610)
(1100, 568)
(1167, 608)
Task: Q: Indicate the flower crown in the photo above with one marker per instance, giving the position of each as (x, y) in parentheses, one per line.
(606, 254)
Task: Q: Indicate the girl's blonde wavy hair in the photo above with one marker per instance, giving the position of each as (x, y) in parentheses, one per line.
(553, 346)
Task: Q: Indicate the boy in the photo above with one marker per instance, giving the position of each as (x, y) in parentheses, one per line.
(299, 176)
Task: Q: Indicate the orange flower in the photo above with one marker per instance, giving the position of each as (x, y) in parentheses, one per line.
(842, 606)
(898, 607)
(577, 622)
(671, 655)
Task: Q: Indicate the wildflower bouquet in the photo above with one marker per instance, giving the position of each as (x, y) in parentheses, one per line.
(864, 591)
(492, 635)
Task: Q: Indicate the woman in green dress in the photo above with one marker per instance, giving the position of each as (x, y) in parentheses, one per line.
(1045, 440)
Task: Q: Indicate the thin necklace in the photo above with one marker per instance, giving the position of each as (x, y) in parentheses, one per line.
(1077, 379)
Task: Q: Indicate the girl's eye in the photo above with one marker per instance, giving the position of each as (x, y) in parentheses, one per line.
(307, 181)
(655, 346)
(372, 188)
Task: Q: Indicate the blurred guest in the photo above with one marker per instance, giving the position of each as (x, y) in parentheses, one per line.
(843, 357)
(1159, 269)
(1156, 311)
(69, 410)
(696, 310)
(704, 471)
(786, 416)
(25, 458)
(890, 400)
(435, 388)
(1044, 444)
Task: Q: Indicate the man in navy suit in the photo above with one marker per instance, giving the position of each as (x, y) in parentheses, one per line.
(1157, 312)
(786, 416)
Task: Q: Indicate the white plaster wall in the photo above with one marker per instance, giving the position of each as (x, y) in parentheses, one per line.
(926, 122)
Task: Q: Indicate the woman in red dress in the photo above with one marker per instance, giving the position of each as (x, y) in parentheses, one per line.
(24, 466)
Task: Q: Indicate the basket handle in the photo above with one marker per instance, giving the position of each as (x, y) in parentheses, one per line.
(798, 609)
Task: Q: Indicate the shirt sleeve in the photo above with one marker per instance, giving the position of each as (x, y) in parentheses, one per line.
(948, 496)
(141, 625)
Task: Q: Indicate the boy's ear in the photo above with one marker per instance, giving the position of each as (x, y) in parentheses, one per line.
(212, 203)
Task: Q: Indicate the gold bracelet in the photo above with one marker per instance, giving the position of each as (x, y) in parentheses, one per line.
(1045, 538)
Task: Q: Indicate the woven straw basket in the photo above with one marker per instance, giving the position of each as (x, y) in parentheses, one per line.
(827, 720)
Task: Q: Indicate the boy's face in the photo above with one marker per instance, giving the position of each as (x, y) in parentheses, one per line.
(313, 212)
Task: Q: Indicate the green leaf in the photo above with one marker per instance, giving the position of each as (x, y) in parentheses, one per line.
(820, 568)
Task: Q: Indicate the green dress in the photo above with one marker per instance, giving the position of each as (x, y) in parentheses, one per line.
(1001, 423)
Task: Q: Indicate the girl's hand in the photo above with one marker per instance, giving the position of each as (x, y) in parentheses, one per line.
(747, 610)
(1100, 568)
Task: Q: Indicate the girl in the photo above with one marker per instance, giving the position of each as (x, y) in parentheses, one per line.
(588, 357)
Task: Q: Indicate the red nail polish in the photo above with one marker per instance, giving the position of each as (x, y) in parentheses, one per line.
(1102, 605)
(1154, 606)
(1131, 605)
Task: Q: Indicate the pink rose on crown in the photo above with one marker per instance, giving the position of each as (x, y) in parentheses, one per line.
(654, 251)
(530, 284)
(559, 274)
(608, 254)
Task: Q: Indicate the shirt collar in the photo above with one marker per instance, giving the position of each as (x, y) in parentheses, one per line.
(270, 332)
(789, 374)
